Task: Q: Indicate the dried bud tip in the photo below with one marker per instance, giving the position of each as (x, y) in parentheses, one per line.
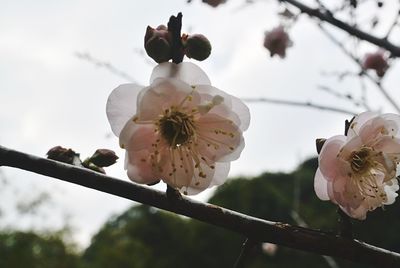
(103, 158)
(62, 154)
(157, 43)
(196, 46)
(319, 143)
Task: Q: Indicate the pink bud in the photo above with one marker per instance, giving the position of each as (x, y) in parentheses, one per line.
(103, 158)
(157, 43)
(276, 41)
(376, 61)
(214, 3)
(196, 46)
(62, 154)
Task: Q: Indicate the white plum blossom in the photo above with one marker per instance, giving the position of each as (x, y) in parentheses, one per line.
(358, 171)
(180, 129)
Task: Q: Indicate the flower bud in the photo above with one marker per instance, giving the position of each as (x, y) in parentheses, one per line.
(214, 3)
(103, 158)
(61, 154)
(196, 46)
(376, 61)
(157, 43)
(276, 41)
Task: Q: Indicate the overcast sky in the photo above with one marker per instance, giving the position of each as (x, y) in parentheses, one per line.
(50, 97)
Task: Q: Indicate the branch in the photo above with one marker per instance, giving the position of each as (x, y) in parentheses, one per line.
(254, 228)
(301, 104)
(329, 18)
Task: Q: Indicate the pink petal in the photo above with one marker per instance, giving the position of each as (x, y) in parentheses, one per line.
(176, 167)
(330, 165)
(218, 137)
(200, 183)
(232, 104)
(186, 72)
(321, 186)
(358, 122)
(139, 148)
(142, 137)
(388, 145)
(139, 167)
(163, 94)
(121, 106)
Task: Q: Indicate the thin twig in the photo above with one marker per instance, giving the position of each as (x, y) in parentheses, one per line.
(247, 246)
(104, 64)
(256, 229)
(347, 97)
(394, 24)
(329, 18)
(300, 104)
(377, 83)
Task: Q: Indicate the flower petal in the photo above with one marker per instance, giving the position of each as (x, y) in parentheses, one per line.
(221, 173)
(330, 164)
(200, 183)
(121, 106)
(161, 95)
(388, 145)
(390, 189)
(321, 186)
(185, 71)
(139, 168)
(232, 104)
(217, 138)
(358, 122)
(176, 167)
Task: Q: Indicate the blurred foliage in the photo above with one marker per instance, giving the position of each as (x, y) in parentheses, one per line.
(147, 237)
(27, 249)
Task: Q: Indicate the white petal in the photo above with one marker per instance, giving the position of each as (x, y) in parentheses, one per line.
(321, 186)
(186, 72)
(391, 189)
(221, 173)
(121, 106)
(393, 122)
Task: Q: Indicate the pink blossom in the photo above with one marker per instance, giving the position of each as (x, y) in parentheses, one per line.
(269, 248)
(376, 61)
(276, 41)
(358, 171)
(180, 129)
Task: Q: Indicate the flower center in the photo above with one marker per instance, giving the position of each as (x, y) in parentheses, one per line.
(360, 161)
(176, 127)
